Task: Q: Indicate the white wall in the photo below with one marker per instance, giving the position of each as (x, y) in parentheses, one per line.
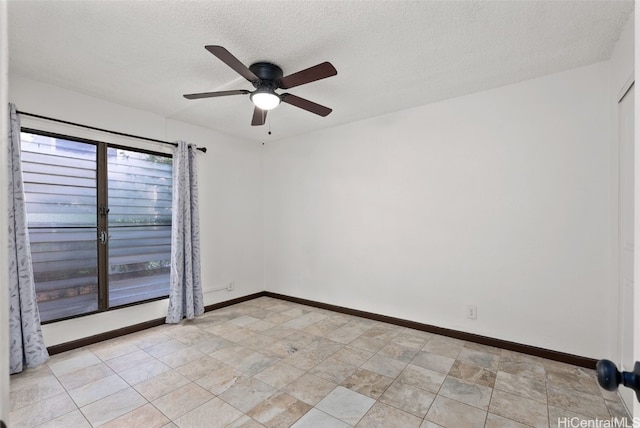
(497, 199)
(4, 257)
(230, 189)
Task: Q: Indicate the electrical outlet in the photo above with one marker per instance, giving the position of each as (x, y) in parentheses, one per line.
(472, 312)
(230, 286)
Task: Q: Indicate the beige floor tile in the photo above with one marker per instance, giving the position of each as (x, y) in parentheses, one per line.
(181, 357)
(276, 318)
(45, 387)
(42, 411)
(433, 362)
(193, 338)
(300, 339)
(73, 419)
(115, 405)
(444, 346)
(112, 349)
(525, 386)
(333, 370)
(84, 376)
(410, 340)
(235, 335)
(309, 388)
(617, 410)
(324, 347)
(221, 379)
(384, 416)
(419, 333)
(575, 378)
(482, 359)
(29, 377)
(304, 359)
(215, 413)
(279, 331)
(315, 418)
(524, 410)
(325, 326)
(199, 368)
(146, 416)
(422, 378)
(451, 414)
(165, 348)
(408, 398)
(75, 361)
(429, 424)
(371, 344)
(495, 421)
(252, 363)
(483, 348)
(345, 334)
(98, 389)
(160, 385)
(212, 345)
(132, 360)
(346, 405)
(279, 374)
(578, 402)
(384, 365)
(279, 349)
(354, 356)
(471, 373)
(469, 393)
(245, 422)
(243, 320)
(247, 394)
(146, 339)
(138, 374)
(279, 410)
(182, 400)
(559, 418)
(260, 326)
(229, 353)
(295, 312)
(258, 341)
(367, 383)
(398, 352)
(304, 321)
(522, 367)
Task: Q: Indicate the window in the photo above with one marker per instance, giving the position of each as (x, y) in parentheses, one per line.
(99, 219)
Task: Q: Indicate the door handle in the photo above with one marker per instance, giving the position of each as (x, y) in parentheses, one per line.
(104, 238)
(609, 377)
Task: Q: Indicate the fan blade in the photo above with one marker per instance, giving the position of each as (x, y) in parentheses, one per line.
(305, 104)
(311, 74)
(216, 94)
(259, 117)
(233, 62)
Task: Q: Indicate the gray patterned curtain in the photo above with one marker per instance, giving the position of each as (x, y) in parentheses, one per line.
(185, 293)
(27, 347)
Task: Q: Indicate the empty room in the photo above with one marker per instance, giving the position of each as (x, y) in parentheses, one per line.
(318, 214)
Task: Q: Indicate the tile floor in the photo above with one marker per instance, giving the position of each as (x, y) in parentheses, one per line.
(272, 363)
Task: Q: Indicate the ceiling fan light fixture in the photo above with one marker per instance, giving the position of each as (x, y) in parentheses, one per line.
(265, 100)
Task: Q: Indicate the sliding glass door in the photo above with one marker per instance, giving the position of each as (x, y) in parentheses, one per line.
(99, 221)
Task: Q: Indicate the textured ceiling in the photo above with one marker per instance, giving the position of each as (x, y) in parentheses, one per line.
(390, 55)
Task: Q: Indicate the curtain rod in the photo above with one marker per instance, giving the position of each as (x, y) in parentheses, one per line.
(122, 134)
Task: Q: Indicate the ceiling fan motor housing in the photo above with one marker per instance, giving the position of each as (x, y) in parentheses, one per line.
(267, 72)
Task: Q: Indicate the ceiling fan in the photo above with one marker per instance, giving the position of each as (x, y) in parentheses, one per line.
(266, 78)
